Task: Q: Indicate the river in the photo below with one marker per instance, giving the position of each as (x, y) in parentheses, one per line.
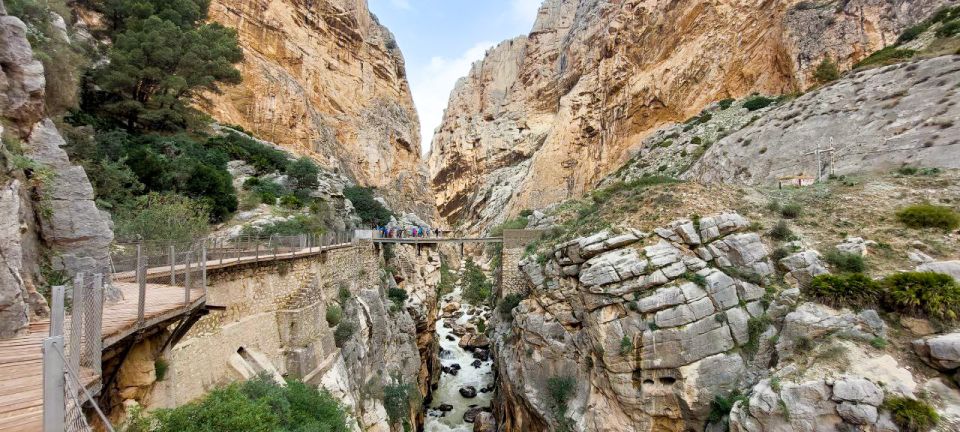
(448, 390)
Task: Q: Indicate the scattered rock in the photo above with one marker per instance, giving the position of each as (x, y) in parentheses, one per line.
(468, 392)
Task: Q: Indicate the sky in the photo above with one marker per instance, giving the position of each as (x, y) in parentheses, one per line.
(440, 39)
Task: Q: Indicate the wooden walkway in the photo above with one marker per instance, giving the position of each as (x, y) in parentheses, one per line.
(21, 362)
(436, 240)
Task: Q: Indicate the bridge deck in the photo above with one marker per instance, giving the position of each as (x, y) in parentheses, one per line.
(21, 362)
(435, 240)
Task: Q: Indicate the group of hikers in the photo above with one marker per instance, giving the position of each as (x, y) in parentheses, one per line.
(408, 232)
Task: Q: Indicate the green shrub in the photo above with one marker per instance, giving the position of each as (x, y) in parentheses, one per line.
(755, 327)
(781, 231)
(878, 343)
(696, 278)
(371, 211)
(397, 295)
(721, 406)
(791, 211)
(888, 55)
(334, 314)
(166, 217)
(949, 29)
(929, 216)
(758, 102)
(912, 33)
(344, 294)
(447, 279)
(726, 103)
(508, 303)
(626, 345)
(845, 261)
(291, 202)
(928, 294)
(343, 332)
(396, 400)
(826, 71)
(853, 289)
(912, 415)
(265, 159)
(476, 287)
(560, 390)
(255, 405)
(160, 368)
(304, 173)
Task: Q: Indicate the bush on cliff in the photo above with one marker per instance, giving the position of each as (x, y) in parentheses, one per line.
(926, 294)
(929, 216)
(854, 290)
(371, 211)
(910, 414)
(256, 405)
(476, 287)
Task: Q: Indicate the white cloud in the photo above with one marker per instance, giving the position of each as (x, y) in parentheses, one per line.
(431, 85)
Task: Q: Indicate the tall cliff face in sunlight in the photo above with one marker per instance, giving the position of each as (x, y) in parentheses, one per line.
(324, 78)
(545, 116)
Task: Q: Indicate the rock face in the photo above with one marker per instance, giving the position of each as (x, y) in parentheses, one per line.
(49, 216)
(651, 322)
(904, 114)
(545, 116)
(325, 79)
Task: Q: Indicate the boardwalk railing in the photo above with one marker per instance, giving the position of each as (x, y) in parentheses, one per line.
(70, 370)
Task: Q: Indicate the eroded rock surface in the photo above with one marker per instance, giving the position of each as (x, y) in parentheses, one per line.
(544, 117)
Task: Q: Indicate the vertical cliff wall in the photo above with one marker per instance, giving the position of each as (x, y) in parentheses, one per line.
(325, 79)
(545, 116)
(49, 224)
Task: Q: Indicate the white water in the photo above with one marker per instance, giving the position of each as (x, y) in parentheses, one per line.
(448, 391)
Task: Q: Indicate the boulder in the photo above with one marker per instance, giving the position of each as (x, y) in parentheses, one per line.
(941, 352)
(485, 422)
(855, 245)
(472, 341)
(468, 392)
(715, 226)
(857, 390)
(802, 267)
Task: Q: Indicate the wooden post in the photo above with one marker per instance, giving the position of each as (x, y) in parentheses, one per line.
(173, 265)
(142, 285)
(189, 280)
(56, 311)
(203, 269)
(54, 385)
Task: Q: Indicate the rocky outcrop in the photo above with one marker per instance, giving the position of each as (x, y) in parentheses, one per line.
(49, 216)
(648, 326)
(651, 329)
(325, 79)
(874, 120)
(546, 116)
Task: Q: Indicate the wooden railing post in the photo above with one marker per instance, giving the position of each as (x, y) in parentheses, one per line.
(173, 265)
(256, 252)
(203, 269)
(221, 250)
(54, 385)
(142, 286)
(189, 280)
(57, 310)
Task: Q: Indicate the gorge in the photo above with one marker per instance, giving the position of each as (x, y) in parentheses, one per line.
(643, 215)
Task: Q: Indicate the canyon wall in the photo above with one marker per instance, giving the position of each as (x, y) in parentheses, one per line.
(49, 223)
(545, 116)
(325, 79)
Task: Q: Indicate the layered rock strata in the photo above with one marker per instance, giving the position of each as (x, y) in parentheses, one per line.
(544, 117)
(325, 79)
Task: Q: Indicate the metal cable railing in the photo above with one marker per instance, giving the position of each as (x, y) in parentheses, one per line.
(64, 368)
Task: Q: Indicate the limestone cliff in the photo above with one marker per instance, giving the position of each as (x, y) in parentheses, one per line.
(48, 219)
(325, 79)
(545, 116)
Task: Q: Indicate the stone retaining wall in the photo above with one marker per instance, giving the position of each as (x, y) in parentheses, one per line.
(274, 309)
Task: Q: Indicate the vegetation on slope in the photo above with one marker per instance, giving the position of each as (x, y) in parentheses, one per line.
(256, 405)
(945, 25)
